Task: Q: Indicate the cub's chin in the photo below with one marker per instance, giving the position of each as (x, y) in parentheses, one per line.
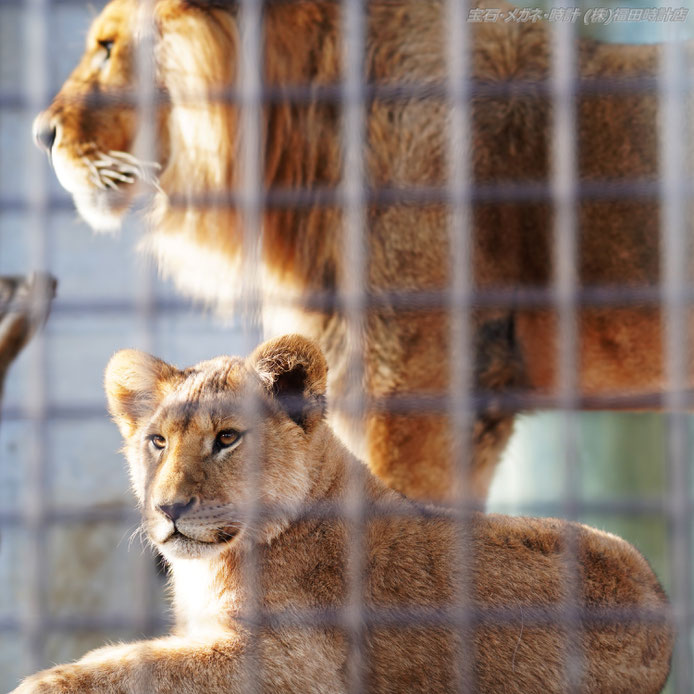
(180, 546)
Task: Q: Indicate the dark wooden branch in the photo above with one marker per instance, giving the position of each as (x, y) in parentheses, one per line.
(24, 306)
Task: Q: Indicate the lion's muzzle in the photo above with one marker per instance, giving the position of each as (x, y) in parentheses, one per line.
(45, 132)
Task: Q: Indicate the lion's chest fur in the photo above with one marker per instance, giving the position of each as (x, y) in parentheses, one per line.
(197, 269)
(205, 596)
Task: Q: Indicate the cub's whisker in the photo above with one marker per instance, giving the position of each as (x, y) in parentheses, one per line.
(139, 531)
(129, 529)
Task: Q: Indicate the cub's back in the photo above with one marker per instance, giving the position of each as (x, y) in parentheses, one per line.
(516, 570)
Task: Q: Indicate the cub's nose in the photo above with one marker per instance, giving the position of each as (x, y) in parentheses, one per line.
(174, 511)
(44, 133)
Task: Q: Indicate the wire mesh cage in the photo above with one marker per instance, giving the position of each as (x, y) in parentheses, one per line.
(75, 570)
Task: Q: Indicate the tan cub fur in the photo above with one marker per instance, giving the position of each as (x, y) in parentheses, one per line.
(191, 438)
(91, 131)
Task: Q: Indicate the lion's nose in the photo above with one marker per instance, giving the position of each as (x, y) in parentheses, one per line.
(44, 134)
(174, 511)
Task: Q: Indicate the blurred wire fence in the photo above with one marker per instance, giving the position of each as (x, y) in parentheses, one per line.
(71, 575)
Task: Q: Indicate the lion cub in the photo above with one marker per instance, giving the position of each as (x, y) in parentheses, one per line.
(260, 557)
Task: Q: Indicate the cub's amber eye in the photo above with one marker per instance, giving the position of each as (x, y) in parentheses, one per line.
(227, 438)
(107, 45)
(158, 441)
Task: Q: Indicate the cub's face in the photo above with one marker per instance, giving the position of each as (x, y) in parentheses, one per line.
(219, 453)
(89, 131)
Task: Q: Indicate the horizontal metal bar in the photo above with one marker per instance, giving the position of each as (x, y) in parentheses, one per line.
(503, 402)
(481, 193)
(69, 516)
(51, 3)
(332, 94)
(505, 615)
(335, 510)
(406, 300)
(410, 300)
(529, 615)
(86, 623)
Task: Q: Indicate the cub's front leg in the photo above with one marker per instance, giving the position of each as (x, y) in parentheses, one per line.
(277, 662)
(169, 665)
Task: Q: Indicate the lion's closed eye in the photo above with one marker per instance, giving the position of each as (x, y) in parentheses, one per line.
(104, 54)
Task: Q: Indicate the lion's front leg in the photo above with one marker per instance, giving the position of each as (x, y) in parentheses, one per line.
(164, 666)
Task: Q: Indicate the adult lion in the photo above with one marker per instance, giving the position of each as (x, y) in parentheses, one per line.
(196, 235)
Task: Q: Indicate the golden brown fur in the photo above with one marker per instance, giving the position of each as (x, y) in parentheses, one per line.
(196, 234)
(215, 439)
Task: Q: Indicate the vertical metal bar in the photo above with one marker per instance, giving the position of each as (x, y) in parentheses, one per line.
(461, 285)
(352, 285)
(146, 148)
(145, 299)
(36, 498)
(673, 127)
(563, 187)
(250, 191)
(251, 184)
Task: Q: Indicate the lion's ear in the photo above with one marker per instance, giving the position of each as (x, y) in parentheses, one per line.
(294, 372)
(135, 384)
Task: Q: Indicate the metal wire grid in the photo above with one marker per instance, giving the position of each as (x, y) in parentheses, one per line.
(36, 498)
(673, 278)
(564, 295)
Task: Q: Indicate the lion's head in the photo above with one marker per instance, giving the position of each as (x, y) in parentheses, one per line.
(187, 155)
(92, 133)
(207, 442)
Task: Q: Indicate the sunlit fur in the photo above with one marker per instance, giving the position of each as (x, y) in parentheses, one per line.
(196, 232)
(291, 547)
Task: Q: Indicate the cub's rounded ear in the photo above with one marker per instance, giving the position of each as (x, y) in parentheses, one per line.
(293, 370)
(135, 384)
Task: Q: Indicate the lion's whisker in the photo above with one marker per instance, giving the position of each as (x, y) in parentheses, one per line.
(109, 173)
(140, 163)
(95, 173)
(90, 165)
(108, 182)
(108, 170)
(156, 185)
(127, 168)
(131, 167)
(98, 182)
(103, 162)
(123, 155)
